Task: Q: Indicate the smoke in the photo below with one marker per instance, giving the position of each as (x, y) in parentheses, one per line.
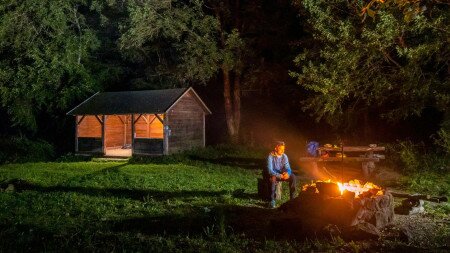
(335, 172)
(313, 172)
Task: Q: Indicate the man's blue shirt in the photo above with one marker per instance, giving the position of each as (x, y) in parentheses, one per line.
(276, 165)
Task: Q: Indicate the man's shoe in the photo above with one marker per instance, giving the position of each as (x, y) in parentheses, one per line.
(272, 204)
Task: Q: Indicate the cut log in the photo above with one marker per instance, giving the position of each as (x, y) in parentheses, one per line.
(278, 191)
(420, 196)
(410, 206)
(263, 189)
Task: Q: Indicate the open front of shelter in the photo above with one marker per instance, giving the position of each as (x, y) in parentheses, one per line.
(152, 122)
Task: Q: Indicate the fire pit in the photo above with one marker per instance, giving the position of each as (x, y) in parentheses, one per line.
(349, 206)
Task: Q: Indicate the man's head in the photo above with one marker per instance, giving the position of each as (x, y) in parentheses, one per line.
(279, 147)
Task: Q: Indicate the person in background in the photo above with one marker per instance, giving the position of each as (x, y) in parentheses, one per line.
(278, 169)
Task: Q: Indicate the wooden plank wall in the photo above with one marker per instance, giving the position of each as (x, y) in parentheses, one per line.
(186, 124)
(114, 135)
(148, 146)
(89, 127)
(148, 126)
(90, 144)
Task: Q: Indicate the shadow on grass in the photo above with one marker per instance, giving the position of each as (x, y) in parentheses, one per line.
(136, 194)
(252, 222)
(217, 224)
(22, 237)
(245, 163)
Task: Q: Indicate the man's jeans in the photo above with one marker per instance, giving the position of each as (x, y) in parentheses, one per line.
(292, 185)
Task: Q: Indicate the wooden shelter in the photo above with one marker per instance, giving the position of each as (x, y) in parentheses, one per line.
(149, 122)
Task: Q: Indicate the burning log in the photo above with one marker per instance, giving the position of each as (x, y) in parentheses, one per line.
(351, 206)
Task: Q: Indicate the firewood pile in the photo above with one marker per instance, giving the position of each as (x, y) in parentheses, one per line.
(358, 214)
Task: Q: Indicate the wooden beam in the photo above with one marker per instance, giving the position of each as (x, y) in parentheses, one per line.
(204, 129)
(79, 121)
(151, 121)
(132, 134)
(338, 159)
(353, 149)
(123, 122)
(146, 120)
(76, 132)
(103, 133)
(148, 126)
(99, 120)
(140, 115)
(162, 121)
(165, 133)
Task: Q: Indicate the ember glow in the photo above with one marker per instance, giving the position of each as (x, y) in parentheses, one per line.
(352, 186)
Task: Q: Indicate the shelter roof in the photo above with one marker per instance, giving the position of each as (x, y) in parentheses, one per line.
(132, 102)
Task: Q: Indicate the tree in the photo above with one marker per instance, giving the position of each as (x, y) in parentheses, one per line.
(390, 65)
(187, 41)
(45, 51)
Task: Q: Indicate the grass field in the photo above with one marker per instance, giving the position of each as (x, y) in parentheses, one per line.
(193, 205)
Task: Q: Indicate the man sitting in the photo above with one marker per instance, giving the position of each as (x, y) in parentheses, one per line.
(279, 169)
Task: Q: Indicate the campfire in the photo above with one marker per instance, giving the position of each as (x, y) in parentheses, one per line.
(350, 206)
(354, 186)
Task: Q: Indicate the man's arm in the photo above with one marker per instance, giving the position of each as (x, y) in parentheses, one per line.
(270, 167)
(286, 165)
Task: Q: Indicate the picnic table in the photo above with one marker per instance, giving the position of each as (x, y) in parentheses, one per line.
(366, 155)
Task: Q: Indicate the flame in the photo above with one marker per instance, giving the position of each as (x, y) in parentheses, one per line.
(353, 186)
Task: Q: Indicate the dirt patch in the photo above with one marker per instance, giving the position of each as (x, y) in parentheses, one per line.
(421, 231)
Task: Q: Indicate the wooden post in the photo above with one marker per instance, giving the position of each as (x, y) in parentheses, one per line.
(76, 134)
(148, 125)
(368, 167)
(166, 130)
(103, 134)
(204, 129)
(132, 134)
(125, 120)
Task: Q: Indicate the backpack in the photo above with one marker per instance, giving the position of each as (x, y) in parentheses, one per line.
(312, 147)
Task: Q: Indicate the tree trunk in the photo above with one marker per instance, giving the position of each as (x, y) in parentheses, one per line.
(229, 108)
(237, 103)
(231, 86)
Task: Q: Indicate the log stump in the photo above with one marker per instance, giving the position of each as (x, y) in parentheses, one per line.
(264, 190)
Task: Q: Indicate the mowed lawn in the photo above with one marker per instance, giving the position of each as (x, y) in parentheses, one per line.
(117, 206)
(199, 203)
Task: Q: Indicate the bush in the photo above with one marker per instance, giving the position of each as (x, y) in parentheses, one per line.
(429, 183)
(70, 157)
(404, 156)
(427, 171)
(21, 149)
(443, 140)
(411, 158)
